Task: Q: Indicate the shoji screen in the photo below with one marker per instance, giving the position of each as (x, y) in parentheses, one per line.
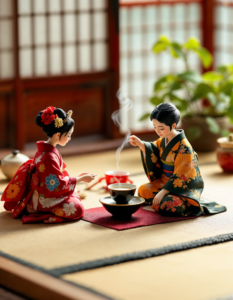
(140, 26)
(223, 32)
(62, 37)
(6, 40)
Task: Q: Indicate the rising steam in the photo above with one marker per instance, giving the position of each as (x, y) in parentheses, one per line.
(125, 105)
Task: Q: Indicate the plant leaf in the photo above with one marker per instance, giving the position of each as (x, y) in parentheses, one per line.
(231, 99)
(229, 68)
(202, 90)
(224, 98)
(190, 76)
(193, 133)
(205, 56)
(176, 85)
(192, 43)
(224, 132)
(222, 69)
(176, 50)
(212, 125)
(161, 83)
(164, 39)
(159, 47)
(212, 98)
(227, 88)
(156, 100)
(144, 117)
(212, 76)
(230, 113)
(181, 104)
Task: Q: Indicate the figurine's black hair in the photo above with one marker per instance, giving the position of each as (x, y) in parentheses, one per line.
(166, 113)
(50, 129)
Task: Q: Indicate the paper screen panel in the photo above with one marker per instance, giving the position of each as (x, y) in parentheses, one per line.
(6, 65)
(140, 27)
(6, 40)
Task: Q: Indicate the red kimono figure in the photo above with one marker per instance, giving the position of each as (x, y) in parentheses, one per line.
(42, 190)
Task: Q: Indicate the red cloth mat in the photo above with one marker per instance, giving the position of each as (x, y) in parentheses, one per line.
(142, 217)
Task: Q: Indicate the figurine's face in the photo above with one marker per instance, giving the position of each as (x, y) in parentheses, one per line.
(162, 129)
(65, 138)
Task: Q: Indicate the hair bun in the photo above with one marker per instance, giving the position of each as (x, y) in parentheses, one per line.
(38, 119)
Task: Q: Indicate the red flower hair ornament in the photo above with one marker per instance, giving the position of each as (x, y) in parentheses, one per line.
(47, 116)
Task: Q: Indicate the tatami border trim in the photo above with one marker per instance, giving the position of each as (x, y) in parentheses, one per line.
(99, 263)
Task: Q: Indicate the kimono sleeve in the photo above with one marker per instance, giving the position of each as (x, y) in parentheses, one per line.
(151, 162)
(53, 181)
(186, 180)
(64, 171)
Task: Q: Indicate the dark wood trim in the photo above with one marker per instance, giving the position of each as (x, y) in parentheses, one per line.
(224, 3)
(6, 294)
(113, 60)
(68, 80)
(18, 99)
(156, 2)
(37, 285)
(6, 86)
(208, 27)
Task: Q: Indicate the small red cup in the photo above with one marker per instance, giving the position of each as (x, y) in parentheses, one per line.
(113, 177)
(117, 177)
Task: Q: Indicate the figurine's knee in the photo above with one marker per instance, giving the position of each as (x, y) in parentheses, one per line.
(142, 191)
(146, 191)
(73, 209)
(79, 209)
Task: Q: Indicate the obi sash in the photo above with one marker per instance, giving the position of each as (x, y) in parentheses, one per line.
(168, 168)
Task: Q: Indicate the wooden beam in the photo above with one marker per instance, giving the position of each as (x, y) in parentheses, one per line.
(125, 3)
(37, 285)
(208, 27)
(18, 95)
(113, 61)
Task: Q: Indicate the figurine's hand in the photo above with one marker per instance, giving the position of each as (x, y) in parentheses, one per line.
(156, 202)
(85, 177)
(134, 140)
(82, 174)
(88, 177)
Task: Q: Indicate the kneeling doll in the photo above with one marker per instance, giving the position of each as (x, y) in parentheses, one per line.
(171, 166)
(42, 188)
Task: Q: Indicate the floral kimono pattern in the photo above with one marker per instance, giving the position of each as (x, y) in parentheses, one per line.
(175, 168)
(43, 190)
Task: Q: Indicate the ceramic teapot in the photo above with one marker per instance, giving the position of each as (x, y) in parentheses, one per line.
(12, 162)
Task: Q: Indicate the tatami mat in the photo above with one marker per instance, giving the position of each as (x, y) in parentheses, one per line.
(197, 274)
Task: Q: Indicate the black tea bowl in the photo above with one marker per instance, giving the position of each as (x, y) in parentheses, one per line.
(122, 193)
(122, 211)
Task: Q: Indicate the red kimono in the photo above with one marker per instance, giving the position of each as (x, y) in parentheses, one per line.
(43, 190)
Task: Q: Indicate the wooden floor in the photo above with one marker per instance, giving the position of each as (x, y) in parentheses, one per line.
(9, 295)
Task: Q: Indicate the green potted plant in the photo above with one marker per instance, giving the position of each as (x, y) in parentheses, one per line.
(205, 100)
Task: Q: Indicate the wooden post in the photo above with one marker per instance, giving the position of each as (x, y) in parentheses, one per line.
(114, 56)
(208, 27)
(18, 94)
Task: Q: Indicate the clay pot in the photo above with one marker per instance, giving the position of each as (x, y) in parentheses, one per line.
(225, 153)
(207, 141)
(11, 163)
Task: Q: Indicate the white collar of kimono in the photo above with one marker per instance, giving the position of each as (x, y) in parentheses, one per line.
(166, 143)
